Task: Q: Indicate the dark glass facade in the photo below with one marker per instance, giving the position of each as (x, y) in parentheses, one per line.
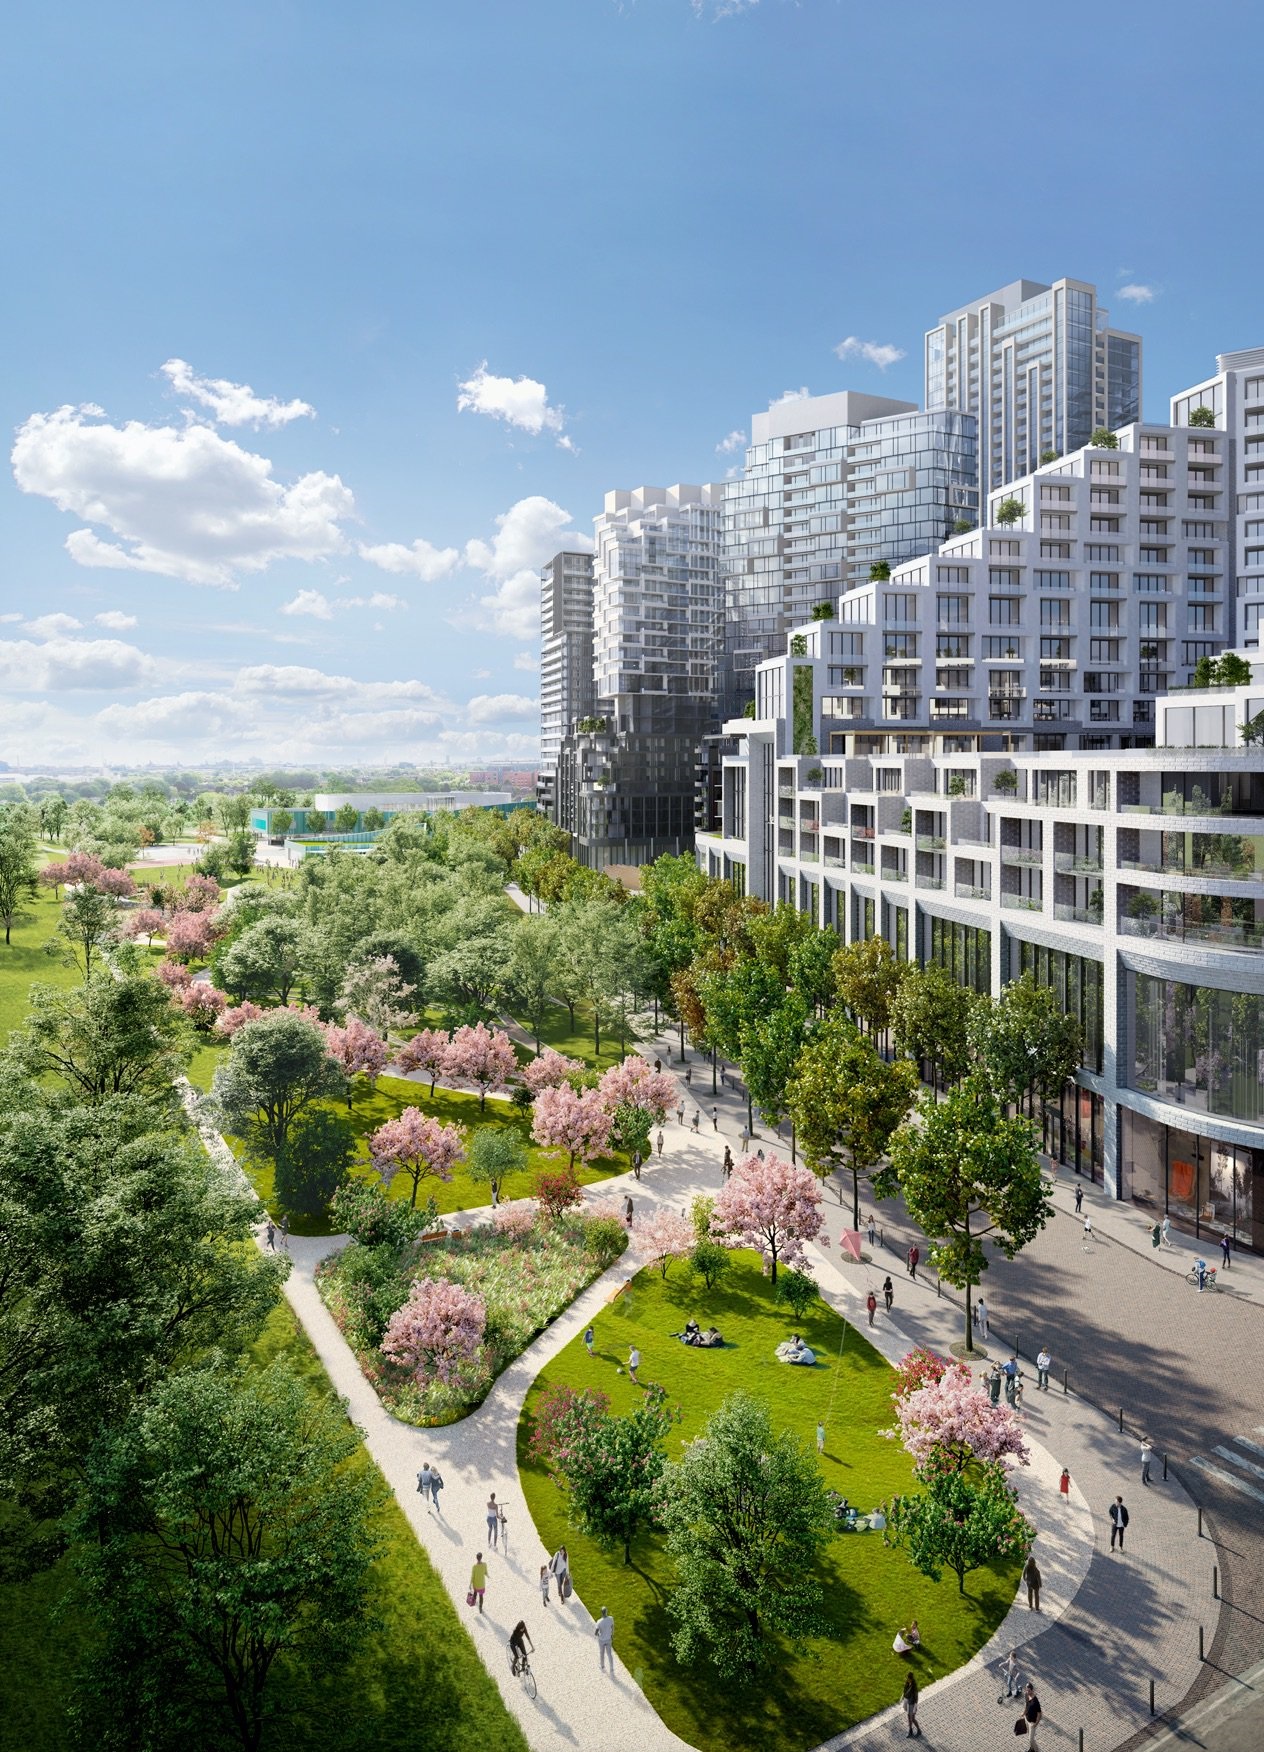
(1074, 1130)
(1076, 981)
(1207, 1187)
(1199, 1046)
(965, 950)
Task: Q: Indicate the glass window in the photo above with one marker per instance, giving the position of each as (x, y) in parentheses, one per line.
(1200, 1046)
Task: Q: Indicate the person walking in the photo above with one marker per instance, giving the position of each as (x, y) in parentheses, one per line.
(1088, 1228)
(1147, 1454)
(1011, 1677)
(680, 1113)
(271, 1234)
(745, 1143)
(659, 1143)
(697, 1119)
(588, 1341)
(908, 1703)
(914, 1254)
(1165, 1230)
(728, 1162)
(888, 1292)
(873, 1231)
(1064, 1486)
(1156, 1234)
(424, 1483)
(1044, 1362)
(627, 1211)
(285, 1233)
(544, 1583)
(820, 1437)
(715, 1119)
(871, 1303)
(1031, 1575)
(1032, 1714)
(1118, 1522)
(981, 1316)
(636, 1163)
(1079, 1200)
(604, 1633)
(634, 1363)
(436, 1485)
(493, 1520)
(689, 1078)
(478, 1582)
(1226, 1251)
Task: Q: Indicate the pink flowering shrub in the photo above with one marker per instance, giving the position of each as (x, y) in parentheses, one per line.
(174, 975)
(143, 923)
(514, 1220)
(571, 1120)
(635, 1083)
(559, 1411)
(482, 1056)
(663, 1236)
(236, 1016)
(416, 1145)
(919, 1368)
(359, 1049)
(549, 1070)
(438, 1333)
(202, 1003)
(602, 1209)
(426, 1051)
(952, 1421)
(200, 894)
(189, 936)
(772, 1206)
(557, 1193)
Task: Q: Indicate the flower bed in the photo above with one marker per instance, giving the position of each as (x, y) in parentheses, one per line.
(525, 1274)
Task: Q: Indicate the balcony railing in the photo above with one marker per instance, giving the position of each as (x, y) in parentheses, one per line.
(1076, 864)
(929, 881)
(1022, 903)
(834, 862)
(863, 833)
(892, 875)
(1077, 915)
(969, 891)
(1245, 937)
(1024, 856)
(931, 842)
(862, 866)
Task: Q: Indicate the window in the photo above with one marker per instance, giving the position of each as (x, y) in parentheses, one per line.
(1103, 581)
(1053, 580)
(1055, 550)
(1152, 616)
(900, 608)
(1103, 614)
(900, 644)
(1004, 611)
(966, 952)
(952, 574)
(1076, 982)
(952, 645)
(1200, 1046)
(1103, 650)
(1099, 551)
(953, 610)
(1058, 614)
(1058, 649)
(1202, 617)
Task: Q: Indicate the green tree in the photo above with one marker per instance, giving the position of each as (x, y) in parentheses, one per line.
(347, 818)
(276, 1069)
(472, 974)
(866, 978)
(1025, 1043)
(747, 1520)
(737, 1003)
(1009, 511)
(770, 1052)
(709, 1261)
(106, 1037)
(1202, 416)
(968, 1171)
(611, 1469)
(373, 820)
(280, 822)
(846, 1103)
(316, 1161)
(962, 1523)
(18, 865)
(930, 1016)
(798, 1291)
(239, 851)
(53, 811)
(880, 571)
(87, 927)
(1232, 670)
(1102, 438)
(233, 813)
(493, 1154)
(264, 961)
(532, 965)
(226, 1526)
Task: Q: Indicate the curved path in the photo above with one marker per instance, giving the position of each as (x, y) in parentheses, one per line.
(1109, 1623)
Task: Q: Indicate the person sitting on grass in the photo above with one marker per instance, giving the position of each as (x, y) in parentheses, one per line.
(711, 1339)
(902, 1644)
(795, 1351)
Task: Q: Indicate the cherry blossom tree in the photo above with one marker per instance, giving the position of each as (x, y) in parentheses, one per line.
(201, 1003)
(482, 1056)
(919, 1368)
(635, 1083)
(87, 871)
(55, 876)
(952, 1421)
(438, 1333)
(201, 894)
(663, 1236)
(175, 976)
(236, 1016)
(571, 1120)
(358, 1049)
(143, 923)
(189, 936)
(416, 1145)
(375, 991)
(549, 1070)
(774, 1206)
(426, 1051)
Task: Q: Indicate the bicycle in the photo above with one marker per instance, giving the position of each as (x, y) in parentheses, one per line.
(520, 1667)
(1210, 1282)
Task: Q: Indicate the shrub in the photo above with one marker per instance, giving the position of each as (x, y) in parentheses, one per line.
(709, 1261)
(562, 1409)
(557, 1192)
(363, 1211)
(515, 1220)
(798, 1291)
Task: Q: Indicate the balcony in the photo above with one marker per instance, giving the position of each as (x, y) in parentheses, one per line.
(931, 842)
(894, 875)
(1021, 903)
(929, 881)
(1077, 915)
(968, 891)
(1075, 864)
(1023, 856)
(863, 833)
(862, 866)
(809, 847)
(1243, 937)
(834, 862)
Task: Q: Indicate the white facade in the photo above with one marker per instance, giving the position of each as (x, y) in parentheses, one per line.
(566, 659)
(408, 802)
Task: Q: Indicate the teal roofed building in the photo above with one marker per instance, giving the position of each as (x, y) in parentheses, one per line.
(374, 810)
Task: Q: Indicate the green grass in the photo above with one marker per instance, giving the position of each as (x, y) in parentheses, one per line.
(26, 960)
(812, 1690)
(575, 1042)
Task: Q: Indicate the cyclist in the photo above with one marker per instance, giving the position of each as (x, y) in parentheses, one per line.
(1200, 1274)
(519, 1642)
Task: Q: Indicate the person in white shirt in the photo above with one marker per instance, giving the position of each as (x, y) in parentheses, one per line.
(604, 1633)
(634, 1363)
(1147, 1454)
(1044, 1362)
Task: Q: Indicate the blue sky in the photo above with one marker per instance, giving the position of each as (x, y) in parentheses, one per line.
(479, 263)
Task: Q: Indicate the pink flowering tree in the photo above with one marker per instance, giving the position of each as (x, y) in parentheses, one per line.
(773, 1206)
(416, 1145)
(571, 1120)
(143, 923)
(663, 1236)
(358, 1049)
(174, 975)
(426, 1051)
(189, 936)
(919, 1368)
(116, 883)
(483, 1056)
(549, 1070)
(952, 1421)
(635, 1083)
(201, 1003)
(438, 1333)
(200, 894)
(236, 1016)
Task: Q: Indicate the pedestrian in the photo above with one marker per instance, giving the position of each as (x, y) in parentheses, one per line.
(689, 1078)
(271, 1233)
(888, 1292)
(724, 1078)
(908, 1703)
(658, 1064)
(1165, 1230)
(495, 1195)
(478, 1582)
(1011, 1677)
(604, 1634)
(1010, 1372)
(728, 1161)
(914, 1254)
(627, 1211)
(820, 1437)
(493, 1520)
(1064, 1486)
(1156, 1235)
(981, 1316)
(1088, 1227)
(1225, 1251)
(634, 1363)
(759, 1155)
(1044, 1362)
(636, 1163)
(873, 1231)
(680, 1113)
(544, 1583)
(1032, 1714)
(1118, 1522)
(659, 1142)
(871, 1303)
(285, 1232)
(697, 1118)
(560, 1569)
(436, 1485)
(1147, 1454)
(588, 1341)
(1079, 1200)
(994, 1379)
(423, 1483)
(1031, 1575)
(745, 1143)
(1200, 1272)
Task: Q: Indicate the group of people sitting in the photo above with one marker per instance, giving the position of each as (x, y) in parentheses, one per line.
(906, 1640)
(693, 1334)
(793, 1350)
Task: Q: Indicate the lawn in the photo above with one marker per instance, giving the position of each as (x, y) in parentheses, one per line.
(26, 960)
(814, 1690)
(576, 1042)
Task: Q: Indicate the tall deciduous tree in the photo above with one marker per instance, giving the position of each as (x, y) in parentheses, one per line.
(1026, 1043)
(482, 1056)
(427, 1051)
(866, 978)
(106, 1037)
(747, 1519)
(571, 1120)
(773, 1206)
(265, 961)
(278, 1067)
(611, 1468)
(949, 1422)
(87, 927)
(961, 1523)
(416, 1145)
(846, 1103)
(315, 1162)
(18, 881)
(376, 992)
(532, 964)
(930, 1020)
(968, 1171)
(494, 1154)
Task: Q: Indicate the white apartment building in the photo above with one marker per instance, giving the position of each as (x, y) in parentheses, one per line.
(1040, 368)
(566, 663)
(1131, 881)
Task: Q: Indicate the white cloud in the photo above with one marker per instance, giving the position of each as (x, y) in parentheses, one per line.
(521, 402)
(380, 599)
(530, 532)
(1137, 294)
(490, 708)
(879, 353)
(481, 674)
(788, 395)
(51, 626)
(734, 440)
(195, 714)
(293, 680)
(526, 660)
(116, 620)
(233, 404)
(184, 504)
(421, 559)
(313, 602)
(56, 664)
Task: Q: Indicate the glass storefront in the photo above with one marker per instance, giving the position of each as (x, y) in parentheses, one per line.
(1076, 982)
(1206, 1187)
(1200, 1046)
(965, 950)
(1073, 1132)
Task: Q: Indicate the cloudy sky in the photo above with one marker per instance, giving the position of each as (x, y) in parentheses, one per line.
(326, 324)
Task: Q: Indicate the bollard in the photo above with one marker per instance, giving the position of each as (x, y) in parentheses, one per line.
(1215, 1582)
(1017, 1346)
(1165, 1469)
(1152, 1697)
(1064, 1381)
(1201, 1655)
(939, 1288)
(1200, 1523)
(1081, 1740)
(1121, 1420)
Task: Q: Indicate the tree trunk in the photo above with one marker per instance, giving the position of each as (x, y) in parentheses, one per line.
(750, 1115)
(969, 1322)
(855, 1196)
(713, 1087)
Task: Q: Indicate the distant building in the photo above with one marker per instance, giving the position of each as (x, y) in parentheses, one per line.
(566, 662)
(318, 817)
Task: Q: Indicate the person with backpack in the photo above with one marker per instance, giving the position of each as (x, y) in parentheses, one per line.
(908, 1703)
